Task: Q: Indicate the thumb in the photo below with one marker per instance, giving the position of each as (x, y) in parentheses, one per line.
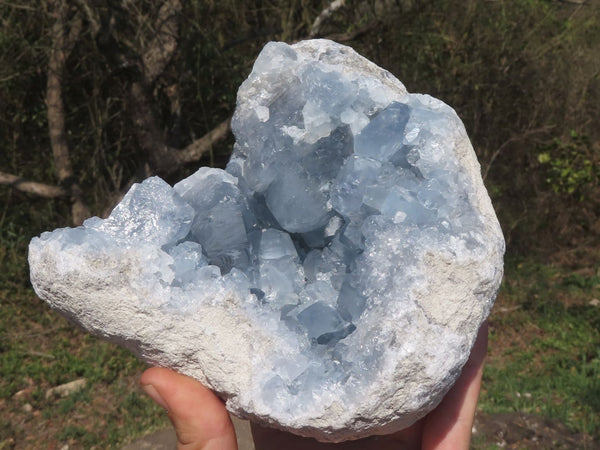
(198, 415)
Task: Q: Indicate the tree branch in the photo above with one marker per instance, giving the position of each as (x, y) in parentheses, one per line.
(199, 147)
(92, 17)
(315, 29)
(162, 47)
(33, 187)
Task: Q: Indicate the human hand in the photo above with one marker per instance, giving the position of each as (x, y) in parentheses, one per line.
(202, 422)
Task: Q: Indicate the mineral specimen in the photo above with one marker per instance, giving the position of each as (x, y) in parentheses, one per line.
(330, 282)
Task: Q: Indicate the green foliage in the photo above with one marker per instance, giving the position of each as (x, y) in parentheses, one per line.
(573, 167)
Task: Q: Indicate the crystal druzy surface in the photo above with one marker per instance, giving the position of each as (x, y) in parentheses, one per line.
(350, 227)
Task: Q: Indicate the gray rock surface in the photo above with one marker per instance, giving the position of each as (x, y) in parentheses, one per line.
(330, 282)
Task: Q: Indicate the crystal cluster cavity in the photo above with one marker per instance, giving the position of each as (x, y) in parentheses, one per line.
(330, 282)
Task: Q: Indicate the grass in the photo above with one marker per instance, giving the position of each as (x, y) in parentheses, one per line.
(545, 346)
(110, 410)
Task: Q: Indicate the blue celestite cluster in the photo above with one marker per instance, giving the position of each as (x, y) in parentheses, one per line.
(324, 163)
(340, 186)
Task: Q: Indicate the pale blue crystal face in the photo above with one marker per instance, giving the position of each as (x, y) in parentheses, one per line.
(150, 211)
(323, 323)
(335, 189)
(219, 223)
(381, 139)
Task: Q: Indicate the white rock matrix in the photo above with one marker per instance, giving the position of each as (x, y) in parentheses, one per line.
(330, 282)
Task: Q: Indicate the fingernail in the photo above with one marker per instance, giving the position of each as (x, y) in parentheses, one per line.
(153, 393)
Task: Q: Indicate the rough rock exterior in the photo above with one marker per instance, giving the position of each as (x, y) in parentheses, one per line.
(330, 282)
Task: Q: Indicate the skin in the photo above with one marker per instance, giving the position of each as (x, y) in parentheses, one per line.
(202, 422)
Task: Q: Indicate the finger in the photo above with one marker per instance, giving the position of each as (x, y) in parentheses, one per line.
(198, 415)
(449, 425)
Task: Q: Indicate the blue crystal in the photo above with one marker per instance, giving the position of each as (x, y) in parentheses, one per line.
(382, 138)
(323, 323)
(351, 182)
(351, 302)
(327, 155)
(218, 225)
(150, 211)
(296, 200)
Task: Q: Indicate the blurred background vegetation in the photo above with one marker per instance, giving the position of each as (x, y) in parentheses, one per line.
(98, 94)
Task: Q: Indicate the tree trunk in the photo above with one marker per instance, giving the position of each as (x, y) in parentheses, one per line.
(62, 45)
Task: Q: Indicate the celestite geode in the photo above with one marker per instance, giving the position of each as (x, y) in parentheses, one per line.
(330, 282)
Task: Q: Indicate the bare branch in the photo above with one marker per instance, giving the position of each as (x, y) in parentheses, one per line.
(160, 50)
(199, 147)
(351, 35)
(32, 187)
(315, 29)
(92, 17)
(17, 6)
(521, 137)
